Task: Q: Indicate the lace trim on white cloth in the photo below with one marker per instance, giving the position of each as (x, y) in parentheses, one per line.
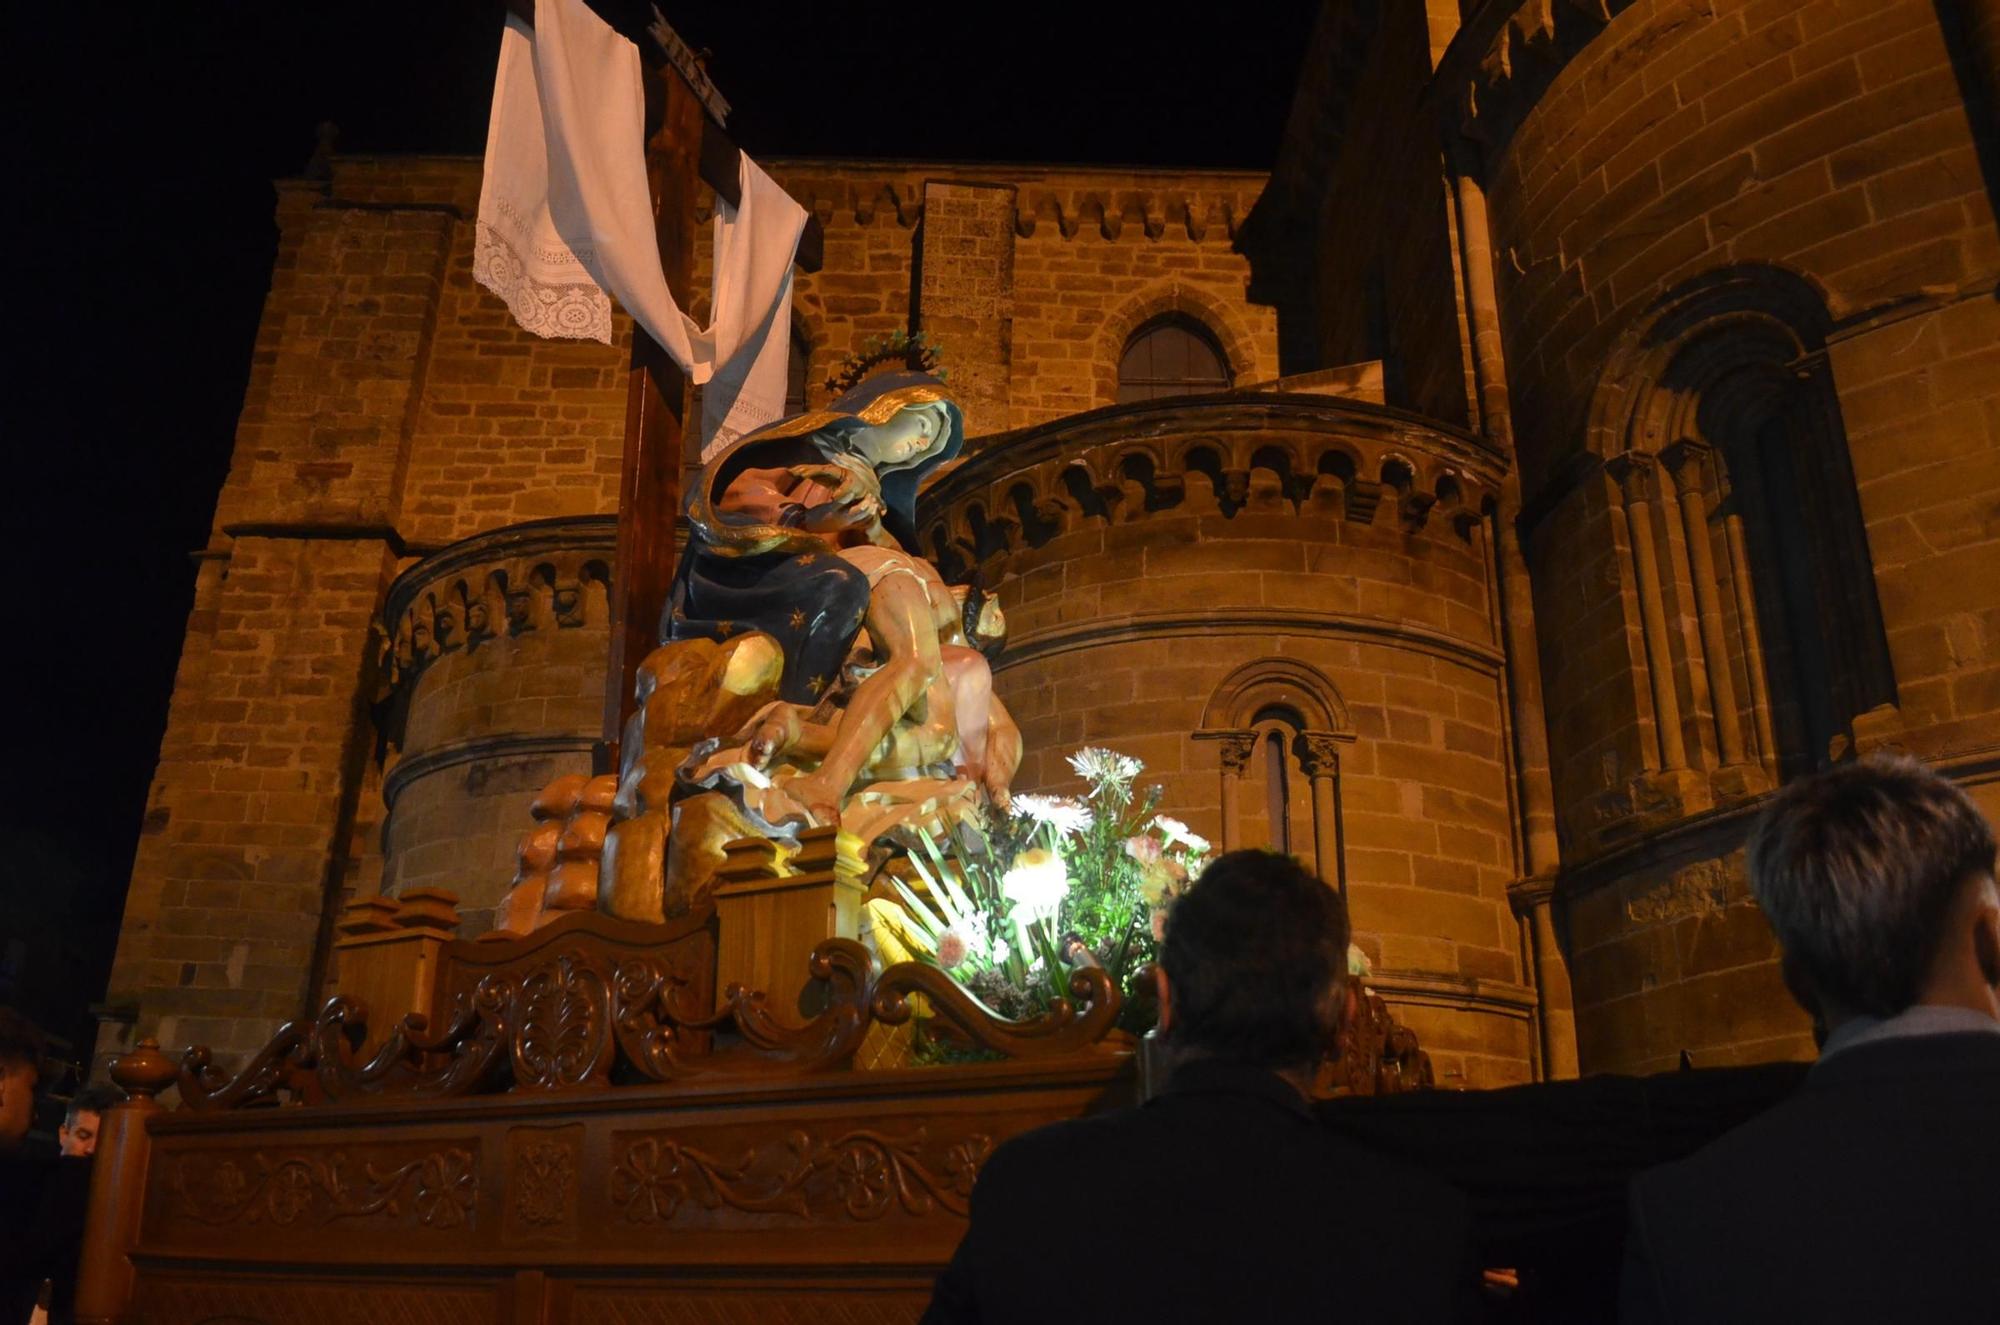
(566, 220)
(568, 311)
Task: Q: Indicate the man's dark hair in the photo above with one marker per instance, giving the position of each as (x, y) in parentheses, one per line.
(91, 1099)
(21, 1041)
(1858, 868)
(1254, 955)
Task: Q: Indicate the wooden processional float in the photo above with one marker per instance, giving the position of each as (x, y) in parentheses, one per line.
(577, 1125)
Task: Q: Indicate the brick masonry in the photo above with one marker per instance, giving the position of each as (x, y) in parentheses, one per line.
(1829, 143)
(1626, 171)
(1386, 606)
(395, 411)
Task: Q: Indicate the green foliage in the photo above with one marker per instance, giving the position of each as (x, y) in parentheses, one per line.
(1012, 905)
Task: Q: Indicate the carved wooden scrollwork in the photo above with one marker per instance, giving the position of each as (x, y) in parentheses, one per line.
(437, 1190)
(283, 1064)
(1379, 1055)
(558, 1014)
(1070, 1026)
(860, 1174)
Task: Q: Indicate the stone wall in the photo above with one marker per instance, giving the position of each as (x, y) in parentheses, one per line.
(250, 818)
(1724, 234)
(1717, 223)
(506, 427)
(493, 687)
(1079, 259)
(1827, 138)
(250, 813)
(1386, 282)
(1182, 577)
(395, 411)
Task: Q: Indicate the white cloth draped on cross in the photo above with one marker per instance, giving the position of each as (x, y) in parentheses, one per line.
(566, 221)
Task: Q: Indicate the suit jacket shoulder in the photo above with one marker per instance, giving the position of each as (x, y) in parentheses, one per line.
(1865, 1196)
(1214, 1203)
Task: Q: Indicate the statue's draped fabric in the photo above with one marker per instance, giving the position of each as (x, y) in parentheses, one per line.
(740, 575)
(566, 220)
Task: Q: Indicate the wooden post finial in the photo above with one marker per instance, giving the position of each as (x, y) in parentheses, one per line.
(144, 1072)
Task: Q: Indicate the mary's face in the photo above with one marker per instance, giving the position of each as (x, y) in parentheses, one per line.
(904, 440)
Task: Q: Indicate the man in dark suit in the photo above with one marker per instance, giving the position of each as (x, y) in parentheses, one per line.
(1222, 1198)
(1874, 1194)
(24, 1170)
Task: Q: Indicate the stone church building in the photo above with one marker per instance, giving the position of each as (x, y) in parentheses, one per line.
(1592, 421)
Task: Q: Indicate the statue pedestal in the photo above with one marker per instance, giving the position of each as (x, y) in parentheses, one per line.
(773, 906)
(389, 950)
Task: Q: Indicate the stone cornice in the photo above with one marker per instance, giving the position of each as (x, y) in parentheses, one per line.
(1719, 831)
(482, 749)
(514, 542)
(542, 575)
(1262, 453)
(1503, 59)
(1110, 202)
(1212, 416)
(1256, 621)
(1462, 993)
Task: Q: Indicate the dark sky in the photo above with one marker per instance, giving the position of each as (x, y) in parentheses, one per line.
(143, 145)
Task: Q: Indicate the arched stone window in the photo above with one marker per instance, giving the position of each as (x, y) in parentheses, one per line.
(1171, 355)
(1281, 725)
(1725, 439)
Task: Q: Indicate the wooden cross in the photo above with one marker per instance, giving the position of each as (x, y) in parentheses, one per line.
(686, 150)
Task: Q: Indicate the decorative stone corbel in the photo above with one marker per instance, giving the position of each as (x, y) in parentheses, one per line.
(1195, 215)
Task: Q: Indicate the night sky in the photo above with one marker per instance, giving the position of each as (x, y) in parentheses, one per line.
(143, 144)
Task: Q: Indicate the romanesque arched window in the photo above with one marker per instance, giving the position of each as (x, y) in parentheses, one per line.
(1281, 725)
(1172, 355)
(1763, 635)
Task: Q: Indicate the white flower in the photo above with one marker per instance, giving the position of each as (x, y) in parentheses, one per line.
(1061, 814)
(1036, 885)
(973, 927)
(1358, 964)
(1104, 767)
(1176, 831)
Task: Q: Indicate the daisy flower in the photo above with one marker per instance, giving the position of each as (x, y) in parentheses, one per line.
(1063, 815)
(1103, 767)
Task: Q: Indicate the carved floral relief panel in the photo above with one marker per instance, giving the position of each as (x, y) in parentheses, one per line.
(841, 1174)
(289, 1189)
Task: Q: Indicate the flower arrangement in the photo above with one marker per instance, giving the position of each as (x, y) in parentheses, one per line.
(1011, 907)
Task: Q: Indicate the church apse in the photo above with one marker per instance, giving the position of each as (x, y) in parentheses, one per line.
(1283, 604)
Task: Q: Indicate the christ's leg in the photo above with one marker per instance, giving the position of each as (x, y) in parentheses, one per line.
(989, 742)
(1003, 753)
(903, 627)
